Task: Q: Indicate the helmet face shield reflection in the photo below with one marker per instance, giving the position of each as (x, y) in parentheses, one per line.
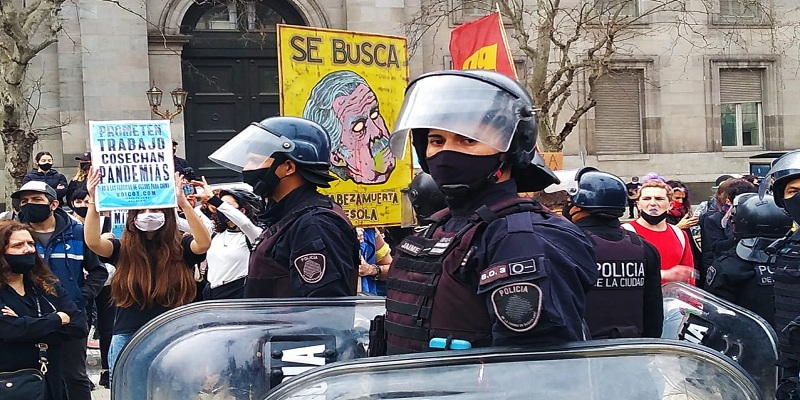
(250, 148)
(787, 165)
(469, 107)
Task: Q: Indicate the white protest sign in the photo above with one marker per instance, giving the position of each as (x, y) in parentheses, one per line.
(136, 164)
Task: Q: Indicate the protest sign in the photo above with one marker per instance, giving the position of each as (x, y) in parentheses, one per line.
(118, 219)
(353, 85)
(136, 164)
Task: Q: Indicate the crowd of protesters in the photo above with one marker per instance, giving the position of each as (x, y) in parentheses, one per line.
(85, 276)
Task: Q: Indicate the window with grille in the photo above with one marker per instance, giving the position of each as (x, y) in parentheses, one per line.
(464, 11)
(740, 92)
(745, 12)
(618, 113)
(622, 8)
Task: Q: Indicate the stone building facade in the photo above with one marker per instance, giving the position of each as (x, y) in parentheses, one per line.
(686, 110)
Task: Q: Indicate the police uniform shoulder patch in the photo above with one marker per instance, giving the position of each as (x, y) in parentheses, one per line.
(711, 273)
(518, 305)
(311, 267)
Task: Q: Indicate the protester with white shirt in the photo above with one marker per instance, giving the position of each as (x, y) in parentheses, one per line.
(235, 232)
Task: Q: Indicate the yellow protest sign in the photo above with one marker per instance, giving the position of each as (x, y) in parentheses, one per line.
(353, 85)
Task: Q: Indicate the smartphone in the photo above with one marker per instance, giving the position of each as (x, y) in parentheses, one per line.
(188, 190)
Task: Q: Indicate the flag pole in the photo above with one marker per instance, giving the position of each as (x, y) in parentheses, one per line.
(505, 41)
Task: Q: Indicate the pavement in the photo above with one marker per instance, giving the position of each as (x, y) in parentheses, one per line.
(94, 368)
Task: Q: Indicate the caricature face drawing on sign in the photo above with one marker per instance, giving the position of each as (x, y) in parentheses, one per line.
(344, 104)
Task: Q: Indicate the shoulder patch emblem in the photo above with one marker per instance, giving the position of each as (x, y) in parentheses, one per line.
(311, 267)
(518, 305)
(711, 273)
(493, 273)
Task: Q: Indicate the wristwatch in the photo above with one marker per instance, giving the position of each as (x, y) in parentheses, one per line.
(377, 270)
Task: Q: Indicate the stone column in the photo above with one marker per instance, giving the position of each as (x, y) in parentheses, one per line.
(116, 71)
(164, 54)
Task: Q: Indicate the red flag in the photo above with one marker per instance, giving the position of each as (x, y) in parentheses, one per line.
(481, 44)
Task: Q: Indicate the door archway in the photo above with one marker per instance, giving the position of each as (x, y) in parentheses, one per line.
(230, 69)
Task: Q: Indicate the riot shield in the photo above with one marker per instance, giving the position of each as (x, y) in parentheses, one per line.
(618, 369)
(696, 316)
(240, 349)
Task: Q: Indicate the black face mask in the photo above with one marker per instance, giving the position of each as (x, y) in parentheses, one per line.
(263, 180)
(653, 219)
(81, 211)
(35, 213)
(21, 263)
(86, 166)
(792, 206)
(45, 167)
(460, 174)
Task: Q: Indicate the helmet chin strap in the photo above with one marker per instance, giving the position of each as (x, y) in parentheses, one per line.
(462, 190)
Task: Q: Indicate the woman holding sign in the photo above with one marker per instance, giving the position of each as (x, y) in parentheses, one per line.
(145, 287)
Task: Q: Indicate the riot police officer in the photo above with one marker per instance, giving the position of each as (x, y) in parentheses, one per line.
(784, 180)
(309, 248)
(742, 274)
(627, 300)
(493, 268)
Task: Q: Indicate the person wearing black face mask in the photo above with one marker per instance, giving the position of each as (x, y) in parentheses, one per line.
(311, 248)
(102, 304)
(784, 259)
(60, 241)
(44, 172)
(34, 309)
(493, 268)
(677, 261)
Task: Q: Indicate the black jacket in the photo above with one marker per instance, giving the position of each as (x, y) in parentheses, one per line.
(610, 229)
(19, 335)
(52, 177)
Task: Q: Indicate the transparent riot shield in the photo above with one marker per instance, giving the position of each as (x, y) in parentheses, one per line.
(240, 349)
(696, 316)
(619, 369)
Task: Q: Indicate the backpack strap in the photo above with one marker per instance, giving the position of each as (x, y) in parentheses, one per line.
(681, 238)
(628, 227)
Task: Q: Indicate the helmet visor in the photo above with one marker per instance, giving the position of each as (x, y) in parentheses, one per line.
(788, 164)
(250, 148)
(469, 107)
(569, 182)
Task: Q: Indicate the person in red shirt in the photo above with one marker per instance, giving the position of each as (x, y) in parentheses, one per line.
(653, 202)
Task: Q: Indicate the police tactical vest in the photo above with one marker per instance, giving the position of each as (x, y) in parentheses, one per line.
(787, 301)
(432, 286)
(614, 307)
(267, 277)
(754, 293)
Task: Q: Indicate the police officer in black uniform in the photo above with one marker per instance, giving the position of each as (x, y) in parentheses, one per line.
(742, 274)
(493, 268)
(626, 302)
(784, 180)
(309, 248)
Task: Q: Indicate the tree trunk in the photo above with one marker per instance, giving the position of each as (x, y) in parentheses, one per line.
(17, 142)
(549, 140)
